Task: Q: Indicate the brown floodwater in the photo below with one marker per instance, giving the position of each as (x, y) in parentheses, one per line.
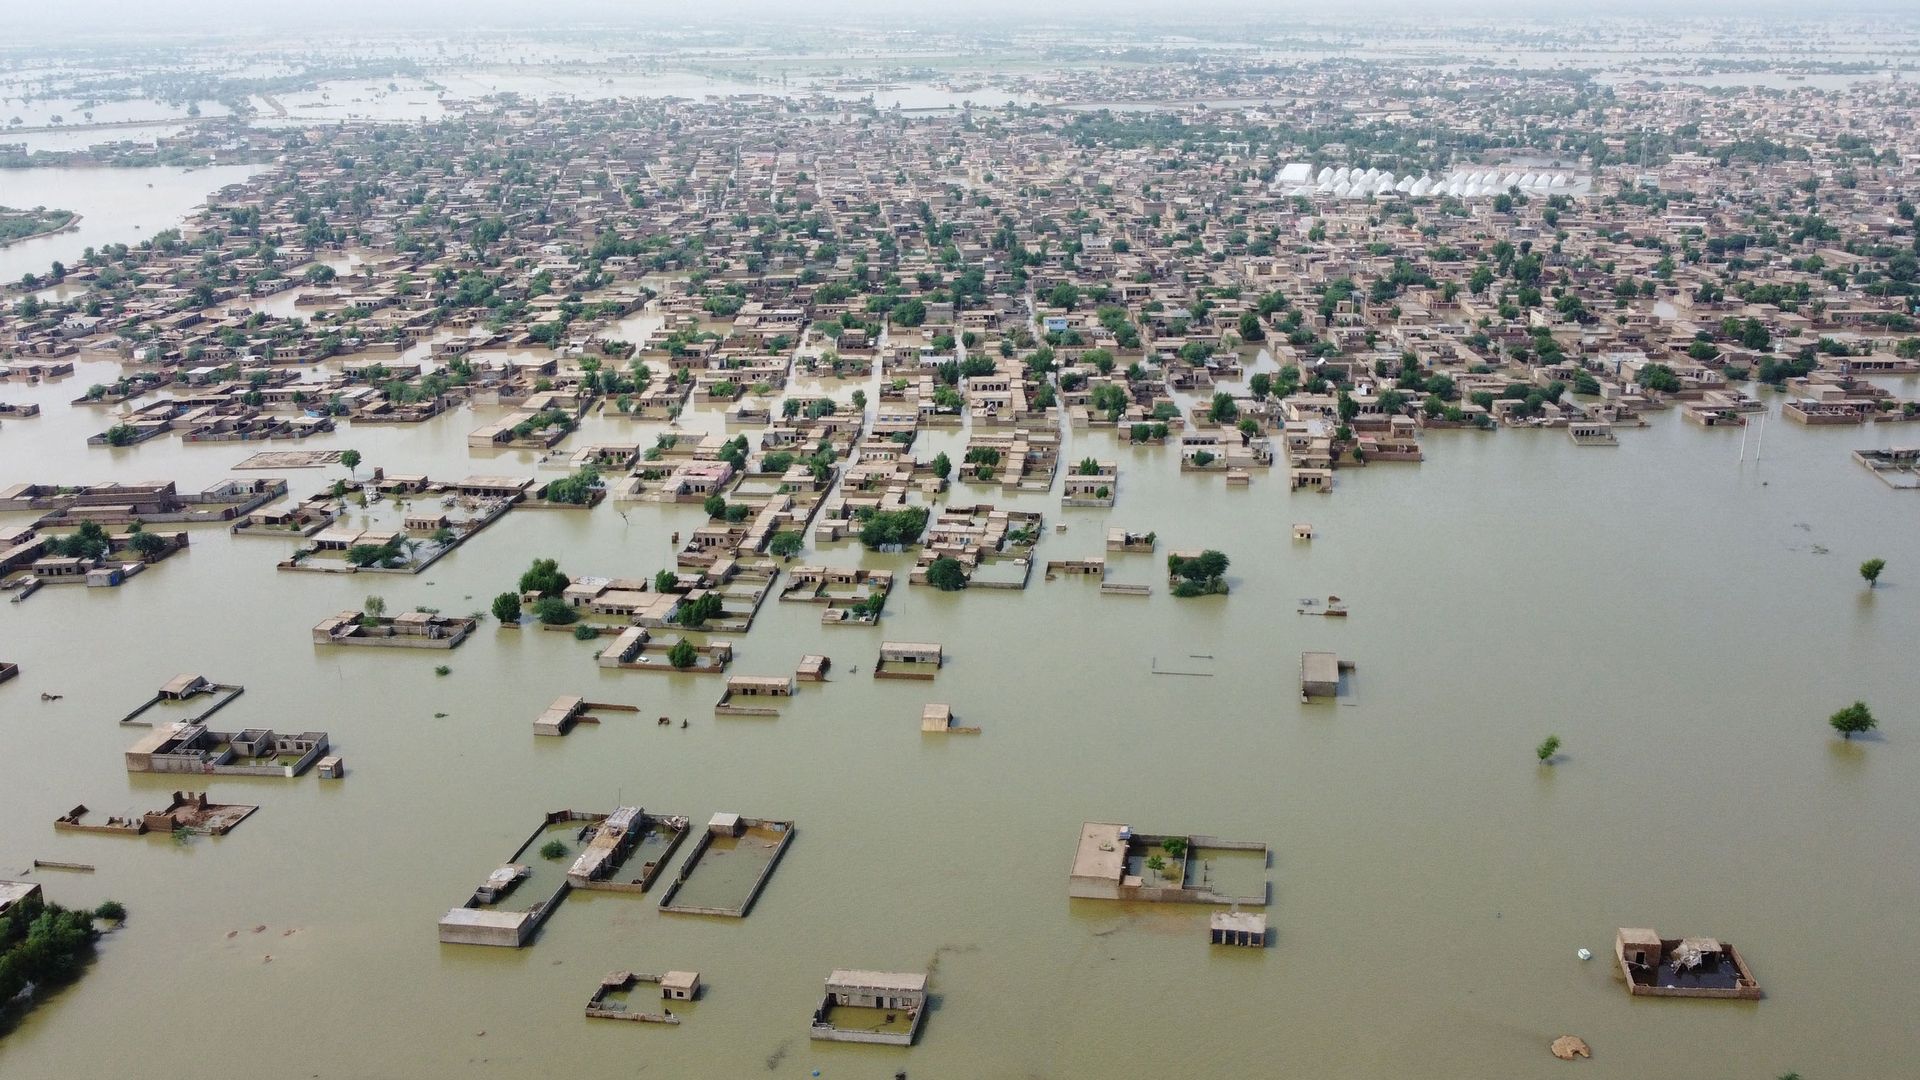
(116, 206)
(1683, 621)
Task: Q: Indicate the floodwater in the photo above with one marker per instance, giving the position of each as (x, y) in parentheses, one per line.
(1684, 621)
(117, 206)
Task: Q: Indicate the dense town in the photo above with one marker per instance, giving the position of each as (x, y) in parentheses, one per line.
(1449, 261)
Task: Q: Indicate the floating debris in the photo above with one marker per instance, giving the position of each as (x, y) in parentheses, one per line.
(1568, 1047)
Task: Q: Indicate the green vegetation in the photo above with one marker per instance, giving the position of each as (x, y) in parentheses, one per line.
(506, 608)
(90, 542)
(575, 490)
(553, 849)
(1870, 572)
(543, 577)
(111, 911)
(45, 946)
(1202, 575)
(1110, 401)
(583, 632)
(1223, 410)
(351, 459)
(946, 574)
(553, 611)
(683, 655)
(694, 614)
(122, 435)
(20, 224)
(892, 528)
(1547, 748)
(1658, 377)
(786, 545)
(388, 555)
(942, 465)
(1855, 719)
(443, 671)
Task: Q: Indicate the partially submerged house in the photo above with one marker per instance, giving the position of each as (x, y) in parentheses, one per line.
(609, 1001)
(1112, 862)
(752, 848)
(186, 688)
(613, 841)
(408, 630)
(1696, 967)
(757, 687)
(1320, 674)
(1243, 928)
(909, 660)
(189, 811)
(886, 1007)
(189, 747)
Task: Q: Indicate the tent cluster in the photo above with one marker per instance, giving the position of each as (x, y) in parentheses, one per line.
(1345, 183)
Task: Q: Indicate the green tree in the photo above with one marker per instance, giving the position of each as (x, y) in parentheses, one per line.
(1222, 409)
(544, 577)
(942, 465)
(351, 459)
(682, 655)
(1658, 377)
(892, 528)
(715, 505)
(946, 574)
(553, 849)
(366, 555)
(506, 608)
(1547, 748)
(1250, 329)
(554, 611)
(1202, 575)
(1870, 571)
(1855, 719)
(576, 489)
(149, 546)
(786, 545)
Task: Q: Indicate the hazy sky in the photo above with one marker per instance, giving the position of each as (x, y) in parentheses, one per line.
(79, 20)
